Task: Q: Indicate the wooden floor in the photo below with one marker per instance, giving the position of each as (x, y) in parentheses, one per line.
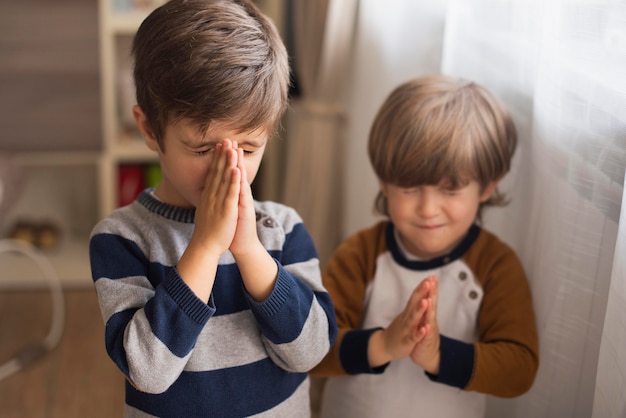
(77, 379)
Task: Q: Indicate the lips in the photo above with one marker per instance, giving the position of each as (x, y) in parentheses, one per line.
(429, 226)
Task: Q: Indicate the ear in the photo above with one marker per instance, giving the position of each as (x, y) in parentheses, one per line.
(488, 190)
(144, 129)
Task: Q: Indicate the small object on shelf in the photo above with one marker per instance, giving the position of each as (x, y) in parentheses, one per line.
(44, 235)
(153, 175)
(131, 183)
(24, 231)
(48, 235)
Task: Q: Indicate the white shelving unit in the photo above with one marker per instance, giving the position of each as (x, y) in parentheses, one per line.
(121, 143)
(60, 188)
(50, 137)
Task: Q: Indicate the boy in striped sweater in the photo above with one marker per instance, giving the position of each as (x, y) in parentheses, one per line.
(213, 301)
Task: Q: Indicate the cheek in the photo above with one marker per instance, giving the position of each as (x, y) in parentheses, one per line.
(399, 208)
(191, 171)
(252, 165)
(463, 209)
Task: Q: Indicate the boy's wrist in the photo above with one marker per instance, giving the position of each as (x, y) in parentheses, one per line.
(258, 271)
(204, 251)
(250, 252)
(376, 350)
(433, 366)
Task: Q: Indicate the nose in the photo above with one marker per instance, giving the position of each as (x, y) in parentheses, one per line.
(428, 204)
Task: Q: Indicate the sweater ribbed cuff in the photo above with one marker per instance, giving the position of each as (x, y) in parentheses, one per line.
(184, 297)
(353, 352)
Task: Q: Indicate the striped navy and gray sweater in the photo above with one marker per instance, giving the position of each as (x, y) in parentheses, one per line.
(231, 357)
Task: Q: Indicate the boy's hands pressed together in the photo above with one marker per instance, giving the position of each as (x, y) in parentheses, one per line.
(426, 352)
(245, 237)
(215, 220)
(258, 269)
(216, 215)
(406, 330)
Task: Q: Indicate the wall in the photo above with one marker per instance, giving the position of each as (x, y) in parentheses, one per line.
(49, 76)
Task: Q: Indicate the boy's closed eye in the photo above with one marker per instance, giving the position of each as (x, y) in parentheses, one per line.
(201, 149)
(205, 151)
(451, 191)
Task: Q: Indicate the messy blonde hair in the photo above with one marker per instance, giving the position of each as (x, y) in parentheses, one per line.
(439, 128)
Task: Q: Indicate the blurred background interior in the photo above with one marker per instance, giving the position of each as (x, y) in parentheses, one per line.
(69, 155)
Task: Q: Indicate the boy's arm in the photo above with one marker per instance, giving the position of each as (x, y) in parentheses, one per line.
(257, 267)
(505, 360)
(284, 288)
(215, 221)
(407, 330)
(149, 331)
(152, 328)
(507, 356)
(296, 319)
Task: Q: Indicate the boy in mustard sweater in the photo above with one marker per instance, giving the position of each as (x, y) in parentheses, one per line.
(434, 312)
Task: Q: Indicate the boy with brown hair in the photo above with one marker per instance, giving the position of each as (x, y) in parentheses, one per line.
(213, 301)
(429, 287)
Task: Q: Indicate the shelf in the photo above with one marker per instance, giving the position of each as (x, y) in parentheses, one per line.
(56, 158)
(70, 262)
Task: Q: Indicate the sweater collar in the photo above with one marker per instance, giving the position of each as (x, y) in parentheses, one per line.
(174, 213)
(433, 263)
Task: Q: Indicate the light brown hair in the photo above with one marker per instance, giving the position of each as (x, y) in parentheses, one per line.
(439, 128)
(210, 60)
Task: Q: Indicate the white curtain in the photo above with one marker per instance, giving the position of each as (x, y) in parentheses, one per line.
(560, 66)
(609, 400)
(316, 121)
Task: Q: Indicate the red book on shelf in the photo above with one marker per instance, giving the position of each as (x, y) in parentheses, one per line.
(130, 183)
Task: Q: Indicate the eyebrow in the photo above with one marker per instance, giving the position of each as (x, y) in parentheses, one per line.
(253, 143)
(208, 142)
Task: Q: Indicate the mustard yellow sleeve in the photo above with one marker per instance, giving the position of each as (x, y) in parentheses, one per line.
(507, 354)
(346, 277)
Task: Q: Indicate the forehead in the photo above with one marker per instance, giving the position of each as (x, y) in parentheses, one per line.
(216, 131)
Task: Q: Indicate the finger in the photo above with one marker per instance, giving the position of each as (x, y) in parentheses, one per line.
(234, 186)
(419, 293)
(215, 167)
(218, 160)
(431, 314)
(241, 165)
(412, 321)
(434, 292)
(422, 332)
(420, 315)
(223, 173)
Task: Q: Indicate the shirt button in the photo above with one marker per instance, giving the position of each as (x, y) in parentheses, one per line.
(473, 294)
(462, 275)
